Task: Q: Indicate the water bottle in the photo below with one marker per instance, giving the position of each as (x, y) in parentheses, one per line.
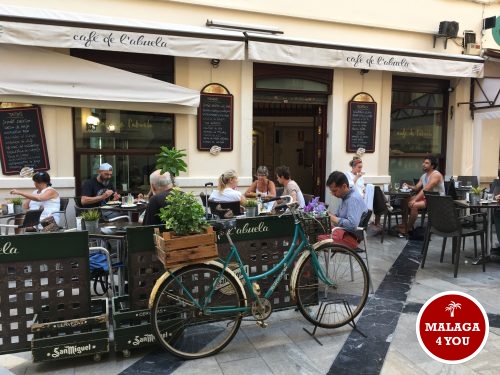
(259, 204)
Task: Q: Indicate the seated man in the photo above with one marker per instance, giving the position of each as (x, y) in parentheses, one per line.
(432, 180)
(496, 219)
(352, 207)
(161, 186)
(98, 190)
(290, 187)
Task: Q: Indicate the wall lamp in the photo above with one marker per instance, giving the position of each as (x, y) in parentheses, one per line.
(215, 63)
(243, 27)
(92, 122)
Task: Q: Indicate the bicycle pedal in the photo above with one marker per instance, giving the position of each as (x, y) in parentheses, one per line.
(261, 324)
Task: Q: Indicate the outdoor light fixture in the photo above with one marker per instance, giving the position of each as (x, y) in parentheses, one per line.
(243, 27)
(215, 63)
(92, 122)
(111, 128)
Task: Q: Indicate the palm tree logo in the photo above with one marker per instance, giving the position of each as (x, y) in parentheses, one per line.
(452, 306)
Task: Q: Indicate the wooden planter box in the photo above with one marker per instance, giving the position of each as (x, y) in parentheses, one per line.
(175, 250)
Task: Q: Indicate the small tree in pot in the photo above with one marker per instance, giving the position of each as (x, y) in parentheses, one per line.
(171, 160)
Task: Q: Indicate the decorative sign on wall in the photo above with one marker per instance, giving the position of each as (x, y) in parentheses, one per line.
(215, 119)
(361, 123)
(22, 140)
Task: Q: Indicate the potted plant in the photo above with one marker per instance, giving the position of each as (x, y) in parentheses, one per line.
(90, 220)
(189, 237)
(251, 206)
(18, 205)
(475, 195)
(183, 213)
(171, 160)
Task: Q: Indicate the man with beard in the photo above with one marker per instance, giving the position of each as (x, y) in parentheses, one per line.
(432, 180)
(99, 190)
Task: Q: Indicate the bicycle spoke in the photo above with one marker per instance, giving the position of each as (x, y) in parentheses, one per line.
(185, 329)
(338, 295)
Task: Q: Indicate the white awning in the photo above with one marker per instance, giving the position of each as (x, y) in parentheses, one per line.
(276, 49)
(487, 90)
(51, 28)
(39, 76)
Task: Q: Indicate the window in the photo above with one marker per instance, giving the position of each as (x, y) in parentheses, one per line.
(418, 125)
(128, 140)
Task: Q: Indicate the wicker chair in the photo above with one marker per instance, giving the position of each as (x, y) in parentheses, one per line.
(444, 221)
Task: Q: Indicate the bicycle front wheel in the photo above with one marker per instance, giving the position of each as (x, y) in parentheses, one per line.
(189, 331)
(341, 298)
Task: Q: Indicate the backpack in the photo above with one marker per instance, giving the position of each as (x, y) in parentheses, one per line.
(99, 272)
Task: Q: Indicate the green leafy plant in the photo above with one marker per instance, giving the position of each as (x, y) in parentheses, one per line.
(90, 215)
(17, 201)
(476, 190)
(171, 160)
(183, 213)
(250, 203)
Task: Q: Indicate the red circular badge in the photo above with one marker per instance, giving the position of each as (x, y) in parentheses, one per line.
(452, 327)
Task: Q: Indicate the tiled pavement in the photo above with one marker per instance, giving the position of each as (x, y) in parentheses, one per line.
(388, 320)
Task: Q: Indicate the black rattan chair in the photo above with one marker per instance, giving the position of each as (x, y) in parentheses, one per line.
(444, 221)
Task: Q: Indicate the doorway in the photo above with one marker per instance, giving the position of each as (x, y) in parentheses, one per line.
(289, 118)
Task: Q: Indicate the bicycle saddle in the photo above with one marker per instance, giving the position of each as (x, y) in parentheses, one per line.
(223, 224)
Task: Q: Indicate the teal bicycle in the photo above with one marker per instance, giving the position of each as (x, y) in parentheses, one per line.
(197, 309)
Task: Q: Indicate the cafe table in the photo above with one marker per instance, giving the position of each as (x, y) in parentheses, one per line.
(132, 210)
(489, 206)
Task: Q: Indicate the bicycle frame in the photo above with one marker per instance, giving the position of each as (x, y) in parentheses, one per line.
(292, 254)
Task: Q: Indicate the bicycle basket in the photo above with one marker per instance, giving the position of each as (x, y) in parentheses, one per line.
(315, 226)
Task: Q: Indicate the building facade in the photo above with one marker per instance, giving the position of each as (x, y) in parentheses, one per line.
(304, 85)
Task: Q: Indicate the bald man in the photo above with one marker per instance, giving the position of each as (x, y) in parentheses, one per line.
(161, 186)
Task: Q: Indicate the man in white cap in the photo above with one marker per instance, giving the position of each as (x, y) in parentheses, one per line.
(99, 189)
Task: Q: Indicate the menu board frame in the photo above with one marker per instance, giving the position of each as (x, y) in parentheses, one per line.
(21, 128)
(215, 121)
(361, 123)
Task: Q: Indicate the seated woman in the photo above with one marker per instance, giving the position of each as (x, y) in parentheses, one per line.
(227, 189)
(263, 186)
(44, 196)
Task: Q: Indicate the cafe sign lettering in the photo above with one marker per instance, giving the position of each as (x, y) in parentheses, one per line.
(8, 249)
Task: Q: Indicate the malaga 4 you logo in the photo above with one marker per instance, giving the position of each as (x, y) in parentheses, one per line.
(452, 327)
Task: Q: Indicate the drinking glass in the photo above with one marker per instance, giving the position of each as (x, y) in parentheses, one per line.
(396, 186)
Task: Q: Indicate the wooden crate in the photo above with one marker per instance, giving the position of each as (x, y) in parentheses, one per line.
(132, 328)
(72, 338)
(176, 250)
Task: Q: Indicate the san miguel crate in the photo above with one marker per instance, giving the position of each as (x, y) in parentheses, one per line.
(74, 337)
(131, 328)
(176, 250)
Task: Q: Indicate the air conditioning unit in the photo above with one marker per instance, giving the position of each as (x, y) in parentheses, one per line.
(448, 28)
(473, 49)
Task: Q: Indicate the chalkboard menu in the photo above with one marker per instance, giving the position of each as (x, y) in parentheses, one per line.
(361, 126)
(215, 122)
(22, 140)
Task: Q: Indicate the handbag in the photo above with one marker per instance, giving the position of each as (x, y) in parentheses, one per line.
(49, 224)
(343, 237)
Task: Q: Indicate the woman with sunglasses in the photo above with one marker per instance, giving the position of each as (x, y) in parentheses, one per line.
(262, 186)
(44, 196)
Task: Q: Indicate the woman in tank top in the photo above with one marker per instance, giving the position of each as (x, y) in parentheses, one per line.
(44, 196)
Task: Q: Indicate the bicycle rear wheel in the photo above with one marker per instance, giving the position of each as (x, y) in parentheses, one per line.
(332, 306)
(186, 330)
